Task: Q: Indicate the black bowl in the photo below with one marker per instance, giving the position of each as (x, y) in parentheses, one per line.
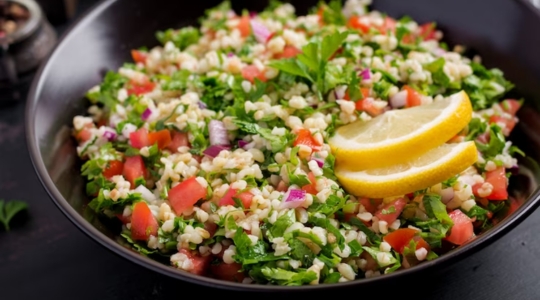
(501, 33)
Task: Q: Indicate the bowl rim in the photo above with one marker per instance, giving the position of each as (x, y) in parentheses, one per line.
(37, 85)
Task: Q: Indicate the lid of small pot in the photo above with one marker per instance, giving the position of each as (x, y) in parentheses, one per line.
(28, 26)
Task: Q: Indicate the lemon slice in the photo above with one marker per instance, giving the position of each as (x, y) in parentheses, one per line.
(431, 168)
(399, 135)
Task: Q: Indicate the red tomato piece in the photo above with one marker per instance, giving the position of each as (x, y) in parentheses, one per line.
(356, 23)
(143, 223)
(139, 88)
(123, 219)
(186, 194)
(114, 167)
(371, 205)
(413, 97)
(421, 243)
(133, 169)
(139, 56)
(162, 138)
(288, 52)
(462, 231)
(391, 211)
(83, 135)
(389, 25)
(312, 187)
(139, 138)
(251, 72)
(304, 137)
(228, 198)
(200, 263)
(427, 31)
(282, 186)
(244, 26)
(511, 106)
(228, 272)
(498, 180)
(400, 238)
(508, 126)
(368, 105)
(178, 139)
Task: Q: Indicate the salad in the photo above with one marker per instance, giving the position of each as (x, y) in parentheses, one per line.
(212, 149)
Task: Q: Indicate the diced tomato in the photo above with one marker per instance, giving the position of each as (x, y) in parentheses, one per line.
(413, 97)
(320, 13)
(244, 26)
(365, 94)
(178, 139)
(356, 23)
(371, 205)
(312, 187)
(368, 105)
(421, 243)
(228, 198)
(228, 272)
(511, 106)
(143, 223)
(400, 238)
(347, 216)
(133, 169)
(139, 138)
(509, 124)
(139, 56)
(498, 180)
(114, 167)
(462, 230)
(139, 88)
(200, 263)
(282, 186)
(427, 31)
(288, 52)
(83, 135)
(304, 137)
(186, 194)
(123, 219)
(389, 25)
(162, 138)
(391, 211)
(251, 72)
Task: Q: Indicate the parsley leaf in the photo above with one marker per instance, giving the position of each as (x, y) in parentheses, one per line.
(181, 38)
(372, 236)
(9, 209)
(281, 224)
(436, 209)
(496, 142)
(284, 277)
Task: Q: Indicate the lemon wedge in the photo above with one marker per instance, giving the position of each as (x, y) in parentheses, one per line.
(435, 166)
(399, 135)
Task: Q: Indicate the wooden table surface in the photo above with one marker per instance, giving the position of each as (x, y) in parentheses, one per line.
(44, 256)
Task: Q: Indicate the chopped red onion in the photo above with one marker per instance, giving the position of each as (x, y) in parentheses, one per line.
(260, 31)
(146, 114)
(447, 195)
(242, 144)
(399, 99)
(202, 105)
(293, 198)
(109, 135)
(319, 161)
(218, 133)
(366, 74)
(252, 14)
(514, 170)
(339, 92)
(230, 54)
(214, 150)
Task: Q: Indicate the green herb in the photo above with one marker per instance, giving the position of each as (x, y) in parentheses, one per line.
(284, 277)
(181, 38)
(281, 224)
(382, 88)
(332, 13)
(136, 246)
(436, 209)
(9, 209)
(372, 236)
(450, 182)
(100, 203)
(278, 143)
(496, 143)
(390, 210)
(301, 252)
(375, 251)
(328, 167)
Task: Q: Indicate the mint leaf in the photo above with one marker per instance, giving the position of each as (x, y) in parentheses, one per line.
(9, 209)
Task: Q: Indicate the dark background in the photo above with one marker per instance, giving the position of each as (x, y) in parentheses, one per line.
(44, 256)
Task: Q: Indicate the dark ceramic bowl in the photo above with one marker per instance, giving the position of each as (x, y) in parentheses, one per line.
(503, 34)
